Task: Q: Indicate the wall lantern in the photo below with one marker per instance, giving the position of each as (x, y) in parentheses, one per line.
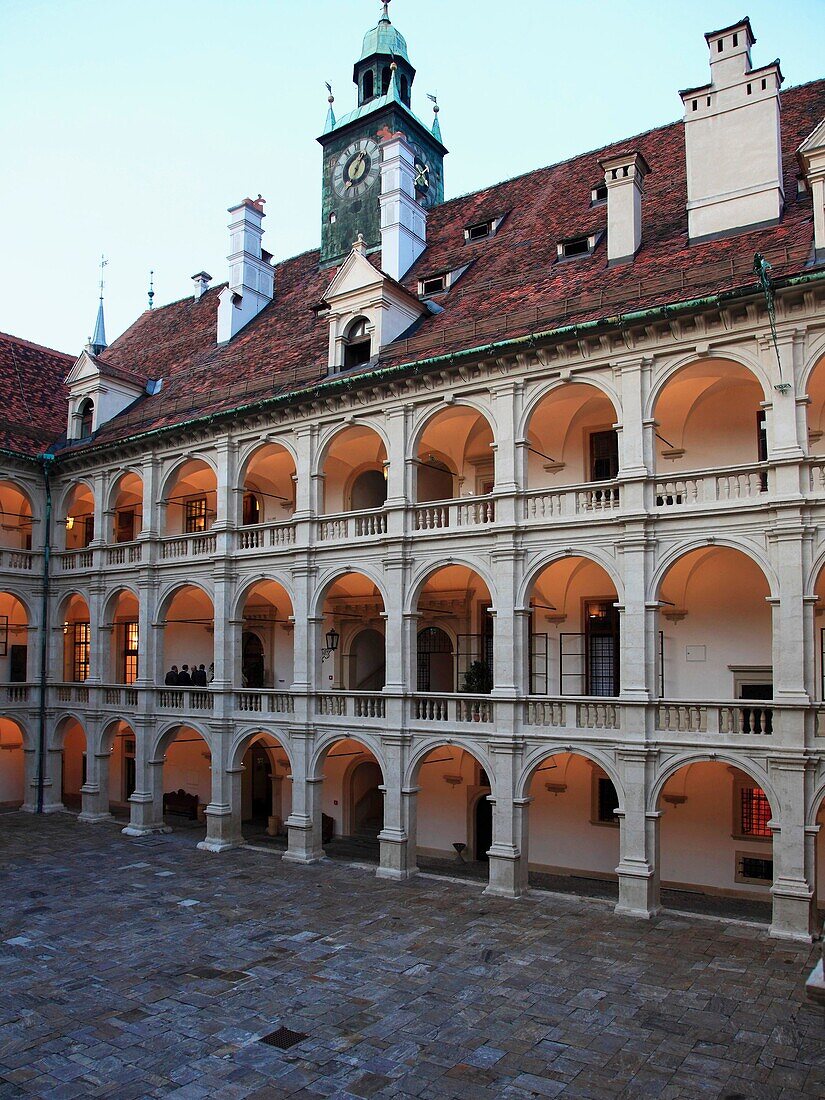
(69, 523)
(333, 637)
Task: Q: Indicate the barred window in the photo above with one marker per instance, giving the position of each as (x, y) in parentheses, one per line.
(195, 515)
(81, 651)
(607, 801)
(756, 812)
(130, 652)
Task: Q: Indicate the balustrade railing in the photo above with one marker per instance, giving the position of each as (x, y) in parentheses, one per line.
(16, 694)
(450, 514)
(127, 553)
(691, 490)
(264, 537)
(69, 561)
(342, 704)
(571, 500)
(459, 709)
(18, 560)
(188, 546)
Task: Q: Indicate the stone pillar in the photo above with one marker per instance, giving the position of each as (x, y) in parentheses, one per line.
(150, 518)
(223, 814)
(146, 801)
(95, 791)
(304, 823)
(101, 536)
(396, 422)
(304, 660)
(276, 816)
(507, 568)
(53, 782)
(508, 868)
(225, 633)
(397, 842)
(100, 636)
(395, 637)
(789, 613)
(507, 400)
(150, 636)
(637, 634)
(638, 868)
(793, 870)
(29, 781)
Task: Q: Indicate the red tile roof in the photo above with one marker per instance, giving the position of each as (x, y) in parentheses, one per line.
(33, 409)
(514, 286)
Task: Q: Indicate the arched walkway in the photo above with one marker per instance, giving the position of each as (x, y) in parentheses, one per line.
(121, 619)
(189, 504)
(354, 467)
(266, 633)
(12, 766)
(78, 520)
(118, 786)
(14, 640)
(70, 739)
(77, 639)
(454, 610)
(571, 438)
(573, 828)
(708, 416)
(187, 617)
(574, 643)
(454, 456)
(712, 647)
(449, 829)
(126, 507)
(351, 605)
(268, 486)
(16, 518)
(187, 779)
(715, 839)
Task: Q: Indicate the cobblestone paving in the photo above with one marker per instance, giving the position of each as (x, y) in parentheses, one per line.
(136, 968)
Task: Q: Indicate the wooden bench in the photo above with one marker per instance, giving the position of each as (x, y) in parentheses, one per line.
(179, 802)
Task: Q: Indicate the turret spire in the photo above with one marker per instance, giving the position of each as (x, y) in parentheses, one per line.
(98, 344)
(385, 16)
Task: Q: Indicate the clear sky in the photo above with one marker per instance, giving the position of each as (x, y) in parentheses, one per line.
(128, 126)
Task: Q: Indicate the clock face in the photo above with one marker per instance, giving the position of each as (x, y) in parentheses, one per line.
(423, 173)
(357, 169)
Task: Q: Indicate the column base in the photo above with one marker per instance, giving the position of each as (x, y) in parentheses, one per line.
(54, 808)
(145, 830)
(506, 879)
(219, 845)
(792, 917)
(304, 843)
(395, 862)
(94, 818)
(304, 858)
(638, 893)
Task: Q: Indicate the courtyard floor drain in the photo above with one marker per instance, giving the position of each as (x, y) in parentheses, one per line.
(283, 1038)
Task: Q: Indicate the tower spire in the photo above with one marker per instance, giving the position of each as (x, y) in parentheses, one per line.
(385, 15)
(97, 344)
(330, 124)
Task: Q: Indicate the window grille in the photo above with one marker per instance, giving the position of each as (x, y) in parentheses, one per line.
(81, 651)
(195, 516)
(756, 812)
(130, 652)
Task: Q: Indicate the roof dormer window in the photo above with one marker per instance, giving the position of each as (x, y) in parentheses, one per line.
(478, 232)
(357, 344)
(574, 248)
(436, 285)
(598, 195)
(86, 419)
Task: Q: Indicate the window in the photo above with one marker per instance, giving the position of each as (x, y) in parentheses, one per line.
(195, 515)
(754, 869)
(81, 651)
(87, 415)
(386, 77)
(755, 812)
(130, 652)
(405, 90)
(606, 802)
(368, 86)
(604, 455)
(358, 345)
(601, 627)
(125, 525)
(598, 194)
(433, 286)
(251, 510)
(478, 232)
(574, 247)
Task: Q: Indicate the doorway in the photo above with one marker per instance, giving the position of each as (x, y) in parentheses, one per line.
(483, 839)
(253, 661)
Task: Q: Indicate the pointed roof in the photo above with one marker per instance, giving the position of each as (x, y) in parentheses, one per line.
(97, 344)
(384, 39)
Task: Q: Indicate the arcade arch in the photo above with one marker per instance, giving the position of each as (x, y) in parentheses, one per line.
(265, 654)
(189, 504)
(79, 518)
(268, 486)
(126, 507)
(187, 618)
(12, 765)
(14, 640)
(352, 604)
(571, 438)
(354, 470)
(16, 519)
(77, 639)
(455, 635)
(454, 456)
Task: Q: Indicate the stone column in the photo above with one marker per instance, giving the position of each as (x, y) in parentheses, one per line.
(277, 782)
(508, 870)
(95, 791)
(150, 517)
(507, 567)
(638, 868)
(53, 781)
(632, 378)
(787, 542)
(397, 843)
(396, 422)
(150, 636)
(793, 870)
(396, 567)
(100, 636)
(29, 781)
(146, 801)
(507, 400)
(637, 632)
(223, 814)
(304, 661)
(101, 536)
(304, 823)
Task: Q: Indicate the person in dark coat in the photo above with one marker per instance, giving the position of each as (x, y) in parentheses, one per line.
(172, 677)
(184, 679)
(199, 675)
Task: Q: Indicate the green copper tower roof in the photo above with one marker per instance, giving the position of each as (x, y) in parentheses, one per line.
(384, 39)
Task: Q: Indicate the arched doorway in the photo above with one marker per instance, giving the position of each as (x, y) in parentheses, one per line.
(571, 440)
(14, 640)
(252, 675)
(716, 846)
(483, 838)
(187, 779)
(367, 800)
(572, 843)
(454, 456)
(120, 740)
(453, 816)
(72, 737)
(436, 661)
(369, 491)
(265, 793)
(367, 663)
(353, 467)
(12, 766)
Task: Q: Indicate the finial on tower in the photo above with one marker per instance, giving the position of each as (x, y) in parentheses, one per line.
(385, 15)
(152, 289)
(98, 344)
(330, 123)
(436, 124)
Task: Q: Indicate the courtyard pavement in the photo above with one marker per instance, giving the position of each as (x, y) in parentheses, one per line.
(137, 968)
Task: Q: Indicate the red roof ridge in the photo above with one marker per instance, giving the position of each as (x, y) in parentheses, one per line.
(37, 347)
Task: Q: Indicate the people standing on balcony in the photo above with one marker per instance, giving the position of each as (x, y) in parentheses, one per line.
(184, 678)
(199, 675)
(172, 677)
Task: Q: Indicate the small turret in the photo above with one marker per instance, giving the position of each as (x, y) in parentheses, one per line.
(383, 45)
(97, 343)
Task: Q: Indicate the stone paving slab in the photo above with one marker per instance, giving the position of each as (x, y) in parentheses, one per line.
(146, 968)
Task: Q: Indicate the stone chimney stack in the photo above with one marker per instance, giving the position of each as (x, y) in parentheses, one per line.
(201, 283)
(732, 140)
(403, 219)
(624, 176)
(251, 278)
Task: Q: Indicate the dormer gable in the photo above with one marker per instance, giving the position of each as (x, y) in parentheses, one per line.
(811, 155)
(97, 394)
(365, 306)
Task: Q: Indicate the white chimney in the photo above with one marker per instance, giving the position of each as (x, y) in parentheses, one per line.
(251, 278)
(624, 176)
(732, 140)
(201, 283)
(403, 219)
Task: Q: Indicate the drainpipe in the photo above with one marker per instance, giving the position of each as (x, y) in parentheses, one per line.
(46, 461)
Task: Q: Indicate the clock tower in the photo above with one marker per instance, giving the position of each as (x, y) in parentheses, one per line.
(384, 77)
